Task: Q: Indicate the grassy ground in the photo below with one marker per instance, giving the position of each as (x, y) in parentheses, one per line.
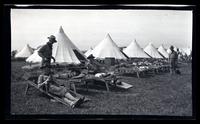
(161, 94)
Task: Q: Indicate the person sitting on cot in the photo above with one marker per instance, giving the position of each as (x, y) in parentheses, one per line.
(58, 90)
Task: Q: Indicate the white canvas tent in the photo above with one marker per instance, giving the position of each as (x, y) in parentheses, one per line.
(34, 58)
(152, 51)
(135, 51)
(182, 51)
(169, 51)
(175, 48)
(162, 51)
(25, 52)
(64, 51)
(187, 51)
(107, 48)
(88, 52)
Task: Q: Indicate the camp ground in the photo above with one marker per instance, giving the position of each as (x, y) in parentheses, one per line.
(121, 70)
(130, 74)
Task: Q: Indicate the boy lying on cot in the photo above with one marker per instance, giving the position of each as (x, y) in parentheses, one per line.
(58, 90)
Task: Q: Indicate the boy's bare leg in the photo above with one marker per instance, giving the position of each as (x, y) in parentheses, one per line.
(69, 96)
(74, 102)
(68, 101)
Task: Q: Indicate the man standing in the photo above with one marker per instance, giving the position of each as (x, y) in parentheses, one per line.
(46, 52)
(173, 60)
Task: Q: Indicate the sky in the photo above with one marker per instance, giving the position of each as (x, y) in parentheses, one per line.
(86, 28)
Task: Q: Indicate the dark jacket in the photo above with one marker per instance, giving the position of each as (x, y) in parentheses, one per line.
(173, 56)
(46, 51)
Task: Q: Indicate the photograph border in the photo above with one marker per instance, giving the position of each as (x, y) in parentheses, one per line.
(7, 60)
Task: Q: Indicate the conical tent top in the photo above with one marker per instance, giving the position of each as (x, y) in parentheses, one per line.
(27, 45)
(152, 51)
(108, 35)
(135, 42)
(108, 38)
(161, 46)
(61, 30)
(25, 52)
(152, 45)
(107, 48)
(133, 50)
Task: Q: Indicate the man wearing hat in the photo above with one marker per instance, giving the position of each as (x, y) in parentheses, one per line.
(91, 65)
(46, 52)
(172, 60)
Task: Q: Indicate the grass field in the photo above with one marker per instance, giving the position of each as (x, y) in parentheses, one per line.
(160, 94)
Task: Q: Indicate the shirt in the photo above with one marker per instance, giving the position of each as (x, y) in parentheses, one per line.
(45, 51)
(173, 55)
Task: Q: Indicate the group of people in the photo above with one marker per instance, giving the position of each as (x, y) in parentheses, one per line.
(47, 79)
(61, 91)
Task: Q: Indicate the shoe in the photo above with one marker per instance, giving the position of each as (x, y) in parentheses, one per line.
(82, 99)
(77, 103)
(72, 104)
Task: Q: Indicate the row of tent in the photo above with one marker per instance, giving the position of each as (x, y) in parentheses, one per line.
(108, 48)
(65, 51)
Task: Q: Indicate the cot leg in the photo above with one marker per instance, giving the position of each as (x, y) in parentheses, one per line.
(26, 90)
(70, 87)
(107, 88)
(86, 84)
(154, 71)
(138, 75)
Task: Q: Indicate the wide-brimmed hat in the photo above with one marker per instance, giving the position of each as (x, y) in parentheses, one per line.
(52, 37)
